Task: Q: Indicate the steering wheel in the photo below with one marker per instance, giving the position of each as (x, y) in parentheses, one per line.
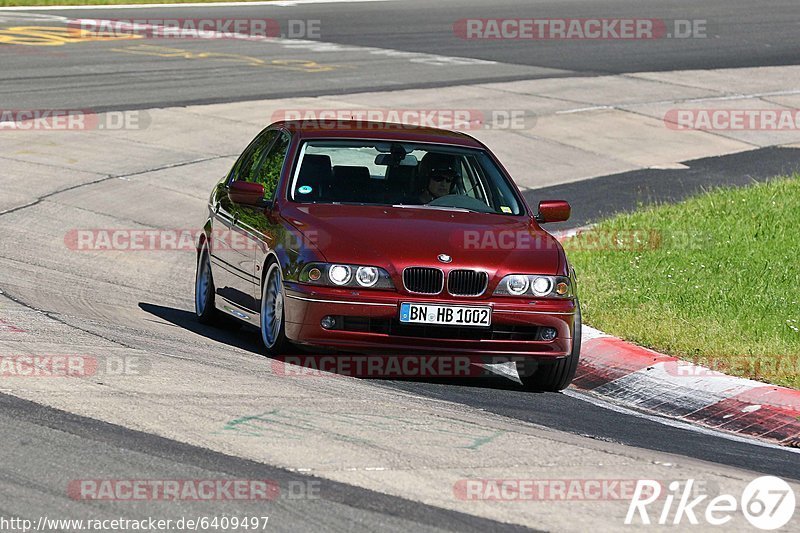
(461, 201)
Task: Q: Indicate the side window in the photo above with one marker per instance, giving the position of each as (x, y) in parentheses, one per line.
(268, 172)
(473, 180)
(246, 164)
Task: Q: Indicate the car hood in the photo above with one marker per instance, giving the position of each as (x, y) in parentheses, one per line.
(394, 238)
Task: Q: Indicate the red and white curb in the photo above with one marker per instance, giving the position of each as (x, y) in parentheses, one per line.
(637, 377)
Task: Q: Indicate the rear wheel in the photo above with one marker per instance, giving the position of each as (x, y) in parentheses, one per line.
(556, 376)
(273, 330)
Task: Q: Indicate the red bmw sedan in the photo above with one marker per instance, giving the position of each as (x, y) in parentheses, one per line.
(381, 238)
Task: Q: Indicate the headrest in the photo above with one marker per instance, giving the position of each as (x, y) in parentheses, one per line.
(350, 173)
(436, 161)
(315, 166)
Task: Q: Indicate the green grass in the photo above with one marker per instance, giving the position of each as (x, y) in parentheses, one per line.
(719, 285)
(8, 3)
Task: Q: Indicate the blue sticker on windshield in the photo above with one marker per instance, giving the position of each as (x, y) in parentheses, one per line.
(305, 189)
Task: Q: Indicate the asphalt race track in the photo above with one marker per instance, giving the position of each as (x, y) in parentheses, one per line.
(115, 75)
(360, 455)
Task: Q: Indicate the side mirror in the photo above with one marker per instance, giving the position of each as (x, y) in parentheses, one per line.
(247, 193)
(553, 211)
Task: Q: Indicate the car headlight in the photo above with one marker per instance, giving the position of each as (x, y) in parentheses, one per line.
(541, 286)
(534, 285)
(339, 274)
(517, 285)
(367, 276)
(343, 275)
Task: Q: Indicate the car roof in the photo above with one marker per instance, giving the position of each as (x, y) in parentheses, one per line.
(352, 129)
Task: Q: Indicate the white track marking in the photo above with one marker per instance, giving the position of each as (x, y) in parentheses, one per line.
(29, 17)
(210, 4)
(584, 109)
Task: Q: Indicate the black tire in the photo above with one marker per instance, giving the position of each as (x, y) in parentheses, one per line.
(556, 376)
(204, 307)
(273, 338)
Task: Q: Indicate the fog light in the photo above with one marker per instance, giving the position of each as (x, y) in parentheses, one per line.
(548, 334)
(314, 274)
(328, 322)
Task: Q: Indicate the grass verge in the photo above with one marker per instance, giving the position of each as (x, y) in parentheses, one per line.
(714, 279)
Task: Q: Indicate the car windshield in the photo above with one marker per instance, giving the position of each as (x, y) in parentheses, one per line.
(401, 174)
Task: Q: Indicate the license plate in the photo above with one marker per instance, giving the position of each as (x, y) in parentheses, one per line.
(449, 315)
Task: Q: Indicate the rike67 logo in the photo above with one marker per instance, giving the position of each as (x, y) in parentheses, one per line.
(768, 503)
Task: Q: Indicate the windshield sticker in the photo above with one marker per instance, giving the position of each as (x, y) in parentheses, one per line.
(305, 189)
(505, 209)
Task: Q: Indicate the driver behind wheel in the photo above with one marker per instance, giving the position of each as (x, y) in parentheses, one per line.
(440, 183)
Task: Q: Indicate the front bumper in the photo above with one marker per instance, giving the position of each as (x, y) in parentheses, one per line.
(374, 324)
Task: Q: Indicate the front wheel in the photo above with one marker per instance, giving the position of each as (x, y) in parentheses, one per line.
(204, 307)
(556, 376)
(273, 331)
